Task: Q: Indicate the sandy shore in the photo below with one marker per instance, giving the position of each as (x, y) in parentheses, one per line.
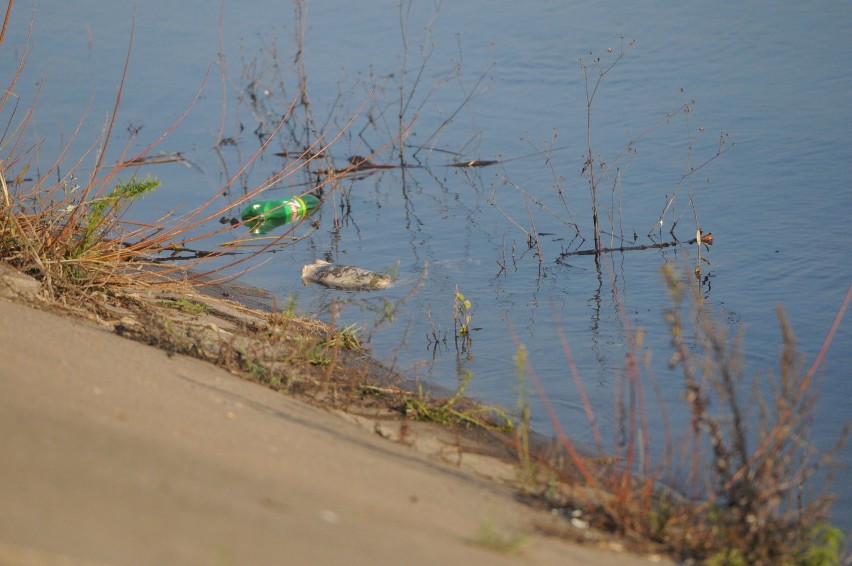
(114, 452)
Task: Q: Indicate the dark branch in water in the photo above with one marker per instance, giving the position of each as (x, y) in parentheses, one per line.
(705, 239)
(474, 163)
(177, 254)
(359, 163)
(172, 157)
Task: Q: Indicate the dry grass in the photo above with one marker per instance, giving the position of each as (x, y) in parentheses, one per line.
(738, 487)
(756, 497)
(66, 225)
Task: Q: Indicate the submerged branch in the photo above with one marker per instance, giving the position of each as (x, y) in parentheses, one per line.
(705, 239)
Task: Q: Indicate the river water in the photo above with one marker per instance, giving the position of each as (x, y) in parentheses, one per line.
(764, 86)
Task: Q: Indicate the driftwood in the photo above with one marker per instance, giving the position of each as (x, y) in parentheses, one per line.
(173, 157)
(475, 163)
(358, 163)
(180, 253)
(705, 239)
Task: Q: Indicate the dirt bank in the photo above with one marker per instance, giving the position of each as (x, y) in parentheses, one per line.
(114, 452)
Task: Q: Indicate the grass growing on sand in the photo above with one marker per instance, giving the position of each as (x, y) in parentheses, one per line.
(456, 409)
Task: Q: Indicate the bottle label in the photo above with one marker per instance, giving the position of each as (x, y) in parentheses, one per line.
(297, 208)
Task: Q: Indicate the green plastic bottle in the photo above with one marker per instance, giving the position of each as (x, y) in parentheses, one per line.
(280, 211)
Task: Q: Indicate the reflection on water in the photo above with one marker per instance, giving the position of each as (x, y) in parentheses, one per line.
(503, 89)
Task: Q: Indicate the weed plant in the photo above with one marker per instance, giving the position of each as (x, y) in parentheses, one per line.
(755, 491)
(737, 487)
(456, 409)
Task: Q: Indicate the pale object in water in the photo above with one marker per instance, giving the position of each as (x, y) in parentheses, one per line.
(346, 277)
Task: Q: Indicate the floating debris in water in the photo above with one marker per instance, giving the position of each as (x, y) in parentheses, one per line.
(346, 277)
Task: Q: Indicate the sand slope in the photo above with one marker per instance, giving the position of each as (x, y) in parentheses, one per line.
(112, 452)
